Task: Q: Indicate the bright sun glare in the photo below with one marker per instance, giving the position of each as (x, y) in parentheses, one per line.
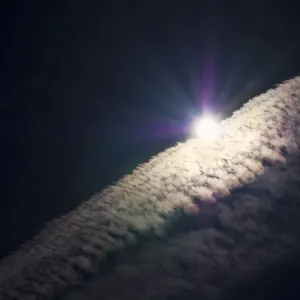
(205, 127)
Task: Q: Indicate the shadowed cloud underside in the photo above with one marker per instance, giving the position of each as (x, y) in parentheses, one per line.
(194, 177)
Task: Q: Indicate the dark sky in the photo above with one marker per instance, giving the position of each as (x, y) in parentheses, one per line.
(89, 90)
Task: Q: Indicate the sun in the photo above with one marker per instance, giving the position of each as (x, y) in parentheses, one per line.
(206, 127)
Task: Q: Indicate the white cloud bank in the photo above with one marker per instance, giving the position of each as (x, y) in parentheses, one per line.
(264, 132)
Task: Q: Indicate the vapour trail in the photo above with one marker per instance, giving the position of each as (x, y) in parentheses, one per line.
(263, 132)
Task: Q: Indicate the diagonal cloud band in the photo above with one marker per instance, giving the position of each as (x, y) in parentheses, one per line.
(262, 133)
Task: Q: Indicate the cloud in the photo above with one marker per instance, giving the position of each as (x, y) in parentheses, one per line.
(256, 229)
(232, 235)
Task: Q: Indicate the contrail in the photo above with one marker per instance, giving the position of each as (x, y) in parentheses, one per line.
(262, 133)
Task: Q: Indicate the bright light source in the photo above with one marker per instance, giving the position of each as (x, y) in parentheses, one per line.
(206, 128)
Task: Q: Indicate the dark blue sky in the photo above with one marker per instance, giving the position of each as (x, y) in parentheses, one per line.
(89, 90)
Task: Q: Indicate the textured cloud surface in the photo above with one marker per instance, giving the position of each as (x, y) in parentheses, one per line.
(242, 237)
(195, 220)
